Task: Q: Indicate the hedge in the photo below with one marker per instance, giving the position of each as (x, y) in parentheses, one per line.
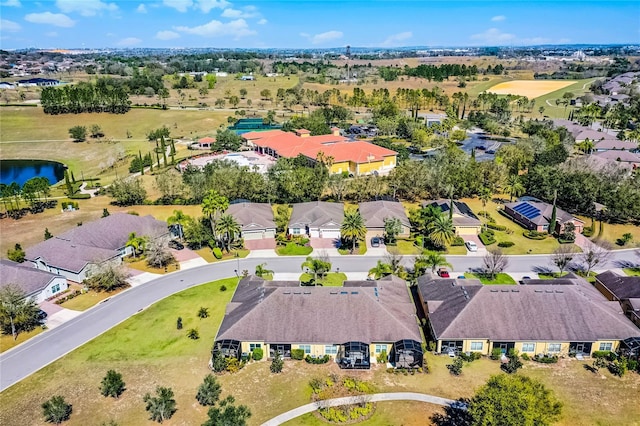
(317, 360)
(534, 235)
(297, 354)
(492, 225)
(257, 354)
(217, 253)
(587, 231)
(457, 241)
(79, 196)
(506, 244)
(487, 239)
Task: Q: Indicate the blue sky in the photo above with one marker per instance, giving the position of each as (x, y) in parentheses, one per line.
(308, 24)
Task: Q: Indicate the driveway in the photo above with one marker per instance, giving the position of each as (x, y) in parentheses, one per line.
(323, 243)
(482, 250)
(261, 244)
(184, 254)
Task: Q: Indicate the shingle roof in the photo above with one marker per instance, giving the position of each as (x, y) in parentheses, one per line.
(462, 214)
(546, 210)
(375, 212)
(292, 314)
(593, 135)
(94, 242)
(27, 278)
(317, 214)
(616, 144)
(563, 313)
(253, 216)
(621, 286)
(627, 156)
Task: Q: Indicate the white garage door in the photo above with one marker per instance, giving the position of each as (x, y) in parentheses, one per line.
(330, 234)
(252, 235)
(269, 233)
(314, 233)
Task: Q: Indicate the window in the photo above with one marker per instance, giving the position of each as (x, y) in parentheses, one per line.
(55, 288)
(476, 346)
(253, 346)
(296, 231)
(380, 348)
(606, 346)
(554, 347)
(330, 350)
(307, 348)
(528, 347)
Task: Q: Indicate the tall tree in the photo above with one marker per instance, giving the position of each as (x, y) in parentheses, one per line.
(494, 262)
(179, 219)
(137, 243)
(441, 231)
(562, 256)
(56, 410)
(318, 266)
(433, 259)
(380, 270)
(161, 406)
(392, 227)
(262, 271)
(228, 228)
(554, 214)
(213, 205)
(18, 313)
(352, 228)
(514, 187)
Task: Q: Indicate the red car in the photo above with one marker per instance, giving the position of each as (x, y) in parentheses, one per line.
(443, 273)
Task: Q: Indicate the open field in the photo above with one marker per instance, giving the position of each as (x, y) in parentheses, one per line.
(548, 101)
(529, 88)
(164, 356)
(500, 278)
(612, 231)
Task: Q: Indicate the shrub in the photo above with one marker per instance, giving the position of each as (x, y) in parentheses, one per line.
(217, 253)
(276, 364)
(492, 225)
(525, 357)
(203, 312)
(193, 334)
(223, 287)
(297, 354)
(535, 235)
(233, 365)
(632, 364)
(257, 354)
(317, 360)
(486, 215)
(486, 238)
(179, 323)
(496, 354)
(601, 354)
(471, 357)
(618, 367)
(455, 368)
(80, 196)
(382, 357)
(587, 231)
(512, 366)
(457, 241)
(506, 244)
(544, 359)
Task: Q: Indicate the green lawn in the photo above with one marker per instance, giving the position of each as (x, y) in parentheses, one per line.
(293, 249)
(579, 88)
(500, 278)
(332, 279)
(88, 299)
(7, 342)
(632, 272)
(207, 254)
(360, 250)
(404, 246)
(551, 275)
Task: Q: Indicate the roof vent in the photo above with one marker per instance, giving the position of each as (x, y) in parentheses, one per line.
(344, 292)
(548, 291)
(354, 292)
(515, 291)
(504, 291)
(538, 291)
(287, 292)
(333, 292)
(297, 292)
(493, 291)
(559, 291)
(307, 292)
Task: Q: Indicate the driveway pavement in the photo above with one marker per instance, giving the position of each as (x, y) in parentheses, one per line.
(262, 244)
(326, 243)
(61, 317)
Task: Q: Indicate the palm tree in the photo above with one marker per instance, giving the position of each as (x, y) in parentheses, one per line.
(514, 187)
(434, 259)
(392, 227)
(228, 228)
(441, 231)
(178, 218)
(214, 204)
(380, 270)
(318, 266)
(353, 228)
(261, 270)
(137, 243)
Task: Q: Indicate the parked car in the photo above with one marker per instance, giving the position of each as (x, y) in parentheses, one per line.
(42, 315)
(176, 245)
(443, 273)
(462, 277)
(376, 241)
(471, 246)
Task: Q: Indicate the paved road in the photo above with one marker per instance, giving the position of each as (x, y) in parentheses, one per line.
(24, 360)
(376, 397)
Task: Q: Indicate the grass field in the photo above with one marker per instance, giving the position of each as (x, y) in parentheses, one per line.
(332, 279)
(88, 299)
(529, 88)
(548, 101)
(500, 279)
(293, 249)
(612, 231)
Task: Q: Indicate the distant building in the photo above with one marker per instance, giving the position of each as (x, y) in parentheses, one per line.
(247, 78)
(40, 82)
(465, 222)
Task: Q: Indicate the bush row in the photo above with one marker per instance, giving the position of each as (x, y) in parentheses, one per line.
(487, 238)
(506, 244)
(535, 235)
(80, 196)
(457, 241)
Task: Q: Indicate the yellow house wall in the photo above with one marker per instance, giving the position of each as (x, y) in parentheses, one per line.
(364, 168)
(390, 161)
(467, 230)
(466, 346)
(372, 351)
(539, 348)
(245, 348)
(343, 166)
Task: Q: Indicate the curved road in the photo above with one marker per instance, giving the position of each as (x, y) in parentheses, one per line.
(376, 397)
(36, 353)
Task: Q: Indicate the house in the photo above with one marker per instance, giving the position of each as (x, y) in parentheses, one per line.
(622, 289)
(431, 119)
(592, 135)
(616, 145)
(318, 219)
(247, 78)
(536, 215)
(352, 324)
(355, 158)
(39, 82)
(465, 222)
(206, 142)
(630, 158)
(7, 85)
(374, 214)
(72, 253)
(36, 284)
(255, 219)
(551, 318)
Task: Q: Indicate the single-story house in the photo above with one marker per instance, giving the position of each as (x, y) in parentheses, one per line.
(319, 219)
(374, 214)
(464, 315)
(36, 284)
(622, 289)
(465, 222)
(206, 142)
(536, 215)
(72, 253)
(592, 135)
(615, 144)
(255, 219)
(352, 324)
(631, 158)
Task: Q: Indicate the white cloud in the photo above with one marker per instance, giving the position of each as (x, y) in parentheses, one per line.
(534, 40)
(207, 5)
(141, 8)
(56, 19)
(262, 21)
(498, 18)
(397, 39)
(493, 36)
(7, 26)
(85, 7)
(167, 35)
(237, 29)
(179, 5)
(11, 3)
(51, 34)
(246, 12)
(129, 41)
(323, 37)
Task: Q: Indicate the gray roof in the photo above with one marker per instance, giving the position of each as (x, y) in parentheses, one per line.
(317, 214)
(262, 312)
(546, 210)
(616, 144)
(375, 212)
(253, 216)
(462, 214)
(593, 135)
(27, 278)
(627, 156)
(466, 309)
(622, 287)
(94, 242)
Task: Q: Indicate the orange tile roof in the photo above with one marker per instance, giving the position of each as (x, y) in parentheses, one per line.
(259, 135)
(207, 139)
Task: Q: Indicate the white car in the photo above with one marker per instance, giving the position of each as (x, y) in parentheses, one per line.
(471, 246)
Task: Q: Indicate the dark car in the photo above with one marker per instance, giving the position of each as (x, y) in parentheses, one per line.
(376, 241)
(176, 245)
(42, 315)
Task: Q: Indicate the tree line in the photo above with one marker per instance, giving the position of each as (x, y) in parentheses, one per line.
(105, 95)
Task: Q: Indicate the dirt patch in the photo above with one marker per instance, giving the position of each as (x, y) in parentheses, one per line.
(529, 88)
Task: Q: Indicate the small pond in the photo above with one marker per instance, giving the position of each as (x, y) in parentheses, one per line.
(21, 171)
